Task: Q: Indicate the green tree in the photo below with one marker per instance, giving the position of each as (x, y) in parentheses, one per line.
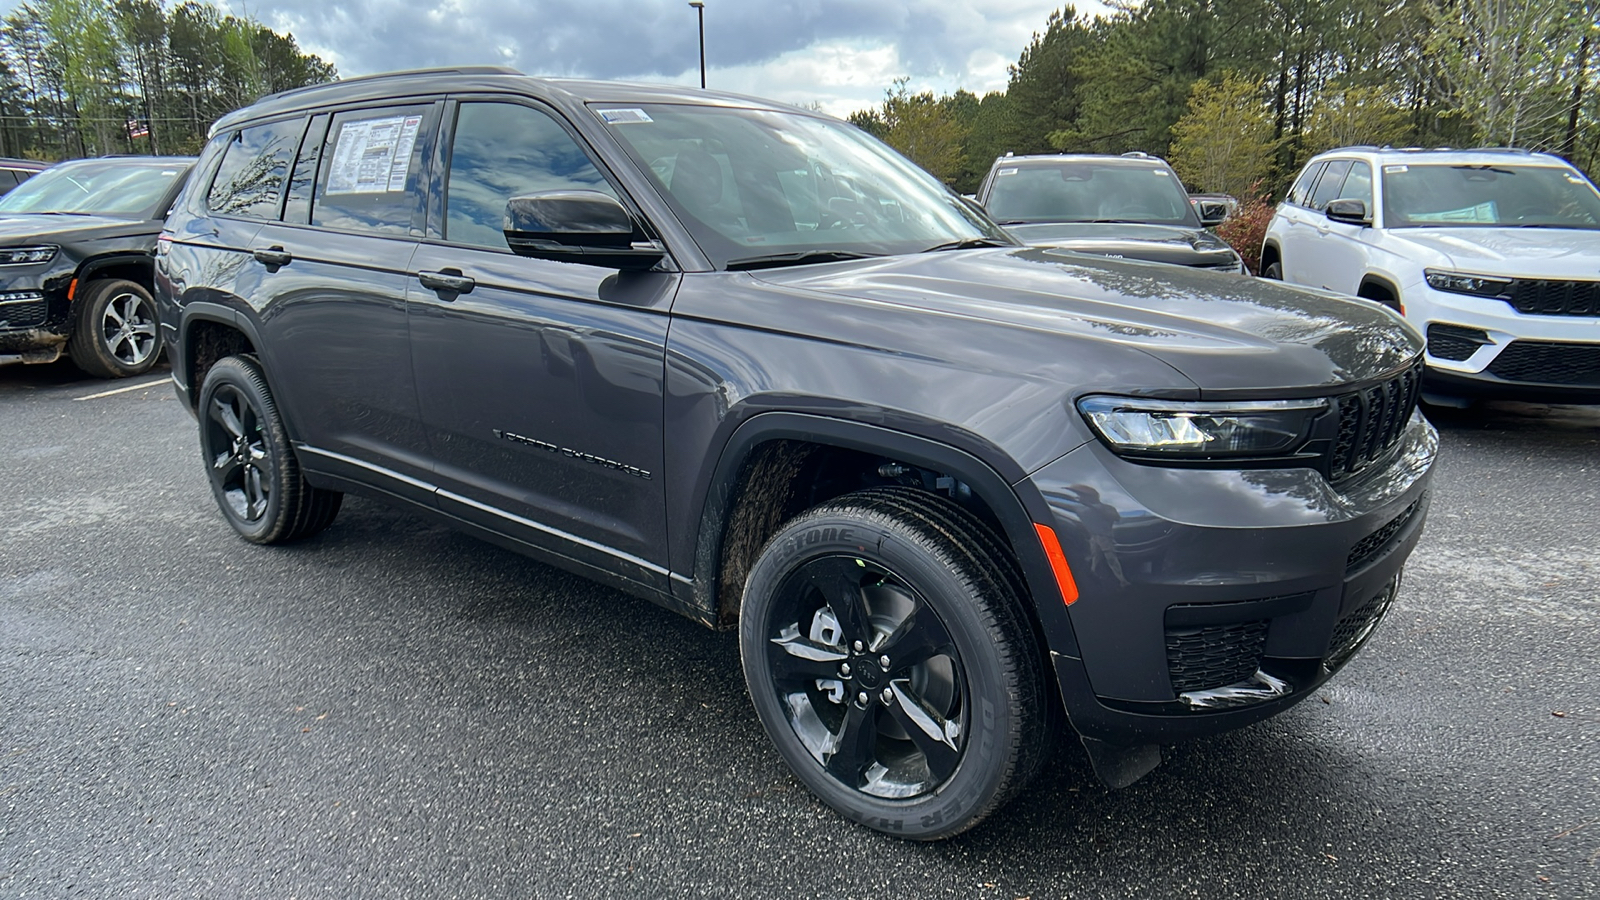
(1224, 142)
(1356, 115)
(920, 127)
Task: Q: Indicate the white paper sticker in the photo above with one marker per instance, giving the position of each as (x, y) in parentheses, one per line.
(373, 156)
(1394, 170)
(1006, 172)
(624, 116)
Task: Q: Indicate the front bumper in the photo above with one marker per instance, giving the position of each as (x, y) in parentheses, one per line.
(1482, 346)
(1210, 599)
(35, 317)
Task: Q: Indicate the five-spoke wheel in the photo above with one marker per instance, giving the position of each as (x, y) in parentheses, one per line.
(115, 332)
(890, 660)
(252, 468)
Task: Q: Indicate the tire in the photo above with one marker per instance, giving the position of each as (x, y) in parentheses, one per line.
(1273, 270)
(956, 722)
(253, 471)
(115, 332)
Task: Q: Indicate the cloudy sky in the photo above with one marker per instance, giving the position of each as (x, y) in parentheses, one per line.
(839, 53)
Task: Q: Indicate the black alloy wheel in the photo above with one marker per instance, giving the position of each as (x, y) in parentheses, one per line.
(889, 659)
(254, 475)
(115, 332)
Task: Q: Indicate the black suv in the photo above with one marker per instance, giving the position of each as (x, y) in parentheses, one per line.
(77, 243)
(1130, 206)
(744, 361)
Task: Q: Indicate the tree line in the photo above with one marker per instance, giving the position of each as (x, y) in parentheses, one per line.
(92, 77)
(1237, 94)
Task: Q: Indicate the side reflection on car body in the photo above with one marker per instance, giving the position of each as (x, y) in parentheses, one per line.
(744, 361)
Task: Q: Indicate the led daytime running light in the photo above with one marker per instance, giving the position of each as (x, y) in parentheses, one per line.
(1462, 283)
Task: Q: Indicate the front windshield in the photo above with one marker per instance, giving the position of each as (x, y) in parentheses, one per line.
(753, 185)
(1089, 192)
(1461, 196)
(100, 187)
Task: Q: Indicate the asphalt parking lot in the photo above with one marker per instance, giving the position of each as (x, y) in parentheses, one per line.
(394, 710)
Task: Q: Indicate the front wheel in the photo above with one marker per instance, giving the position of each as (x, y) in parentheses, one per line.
(115, 333)
(1274, 271)
(254, 474)
(890, 660)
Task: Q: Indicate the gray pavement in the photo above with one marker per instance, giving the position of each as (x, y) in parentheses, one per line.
(394, 710)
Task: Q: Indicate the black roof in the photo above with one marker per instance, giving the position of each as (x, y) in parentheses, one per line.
(489, 79)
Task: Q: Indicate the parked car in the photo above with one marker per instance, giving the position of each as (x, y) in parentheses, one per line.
(15, 171)
(744, 361)
(1493, 254)
(1229, 203)
(77, 248)
(1130, 207)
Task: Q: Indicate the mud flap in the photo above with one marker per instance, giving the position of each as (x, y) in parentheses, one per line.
(1119, 766)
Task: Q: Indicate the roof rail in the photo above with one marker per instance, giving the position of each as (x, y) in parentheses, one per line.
(1137, 154)
(1522, 151)
(443, 70)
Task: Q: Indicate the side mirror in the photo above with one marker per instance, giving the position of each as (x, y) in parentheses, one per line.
(1349, 211)
(1211, 212)
(577, 226)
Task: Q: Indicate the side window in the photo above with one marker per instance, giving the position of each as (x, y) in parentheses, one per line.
(1328, 185)
(254, 165)
(501, 150)
(1300, 194)
(297, 205)
(371, 176)
(1358, 184)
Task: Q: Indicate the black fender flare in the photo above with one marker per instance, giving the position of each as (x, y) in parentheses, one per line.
(89, 268)
(1016, 504)
(208, 311)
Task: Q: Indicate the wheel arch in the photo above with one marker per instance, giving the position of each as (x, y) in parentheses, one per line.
(751, 494)
(1270, 253)
(1379, 288)
(209, 332)
(138, 268)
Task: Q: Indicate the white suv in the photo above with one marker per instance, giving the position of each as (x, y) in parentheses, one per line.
(1493, 254)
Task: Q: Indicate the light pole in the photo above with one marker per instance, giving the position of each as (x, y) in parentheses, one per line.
(700, 8)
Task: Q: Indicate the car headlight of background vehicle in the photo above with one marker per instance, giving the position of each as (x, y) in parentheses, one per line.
(1462, 283)
(1201, 429)
(25, 256)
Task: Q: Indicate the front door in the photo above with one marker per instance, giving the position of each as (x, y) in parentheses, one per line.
(540, 383)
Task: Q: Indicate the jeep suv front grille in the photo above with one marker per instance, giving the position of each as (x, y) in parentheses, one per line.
(1213, 656)
(1542, 297)
(26, 311)
(1372, 421)
(1544, 362)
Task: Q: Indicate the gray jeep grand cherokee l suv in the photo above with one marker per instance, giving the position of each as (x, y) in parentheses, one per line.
(744, 361)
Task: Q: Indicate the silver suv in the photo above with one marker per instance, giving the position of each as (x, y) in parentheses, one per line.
(1493, 254)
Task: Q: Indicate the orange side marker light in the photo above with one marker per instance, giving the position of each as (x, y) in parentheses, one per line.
(1058, 563)
(72, 289)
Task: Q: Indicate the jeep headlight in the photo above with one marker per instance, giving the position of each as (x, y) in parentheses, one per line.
(1201, 429)
(24, 256)
(1462, 283)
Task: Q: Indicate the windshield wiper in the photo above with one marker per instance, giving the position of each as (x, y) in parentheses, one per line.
(967, 244)
(800, 258)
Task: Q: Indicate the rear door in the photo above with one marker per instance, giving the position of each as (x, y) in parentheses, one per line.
(540, 383)
(332, 284)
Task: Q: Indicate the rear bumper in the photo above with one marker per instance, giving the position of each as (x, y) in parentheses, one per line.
(1211, 599)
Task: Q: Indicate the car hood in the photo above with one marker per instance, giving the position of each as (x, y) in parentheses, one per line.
(25, 228)
(1240, 336)
(1525, 252)
(1155, 243)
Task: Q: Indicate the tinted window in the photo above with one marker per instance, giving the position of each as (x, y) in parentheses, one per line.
(1358, 184)
(254, 166)
(501, 150)
(8, 179)
(1330, 182)
(1481, 195)
(1300, 194)
(297, 207)
(371, 177)
(108, 187)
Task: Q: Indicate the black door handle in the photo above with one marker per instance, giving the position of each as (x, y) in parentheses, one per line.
(447, 282)
(272, 257)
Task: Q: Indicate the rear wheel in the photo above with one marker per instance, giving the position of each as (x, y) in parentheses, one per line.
(889, 658)
(254, 474)
(115, 333)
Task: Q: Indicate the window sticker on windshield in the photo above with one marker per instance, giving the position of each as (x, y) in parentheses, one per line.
(624, 116)
(175, 171)
(1394, 170)
(1006, 172)
(373, 156)
(1161, 171)
(1573, 178)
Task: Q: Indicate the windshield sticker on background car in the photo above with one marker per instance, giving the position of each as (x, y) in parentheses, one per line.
(373, 156)
(1395, 170)
(624, 116)
(1006, 172)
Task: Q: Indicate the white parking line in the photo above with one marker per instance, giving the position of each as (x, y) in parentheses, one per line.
(121, 390)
